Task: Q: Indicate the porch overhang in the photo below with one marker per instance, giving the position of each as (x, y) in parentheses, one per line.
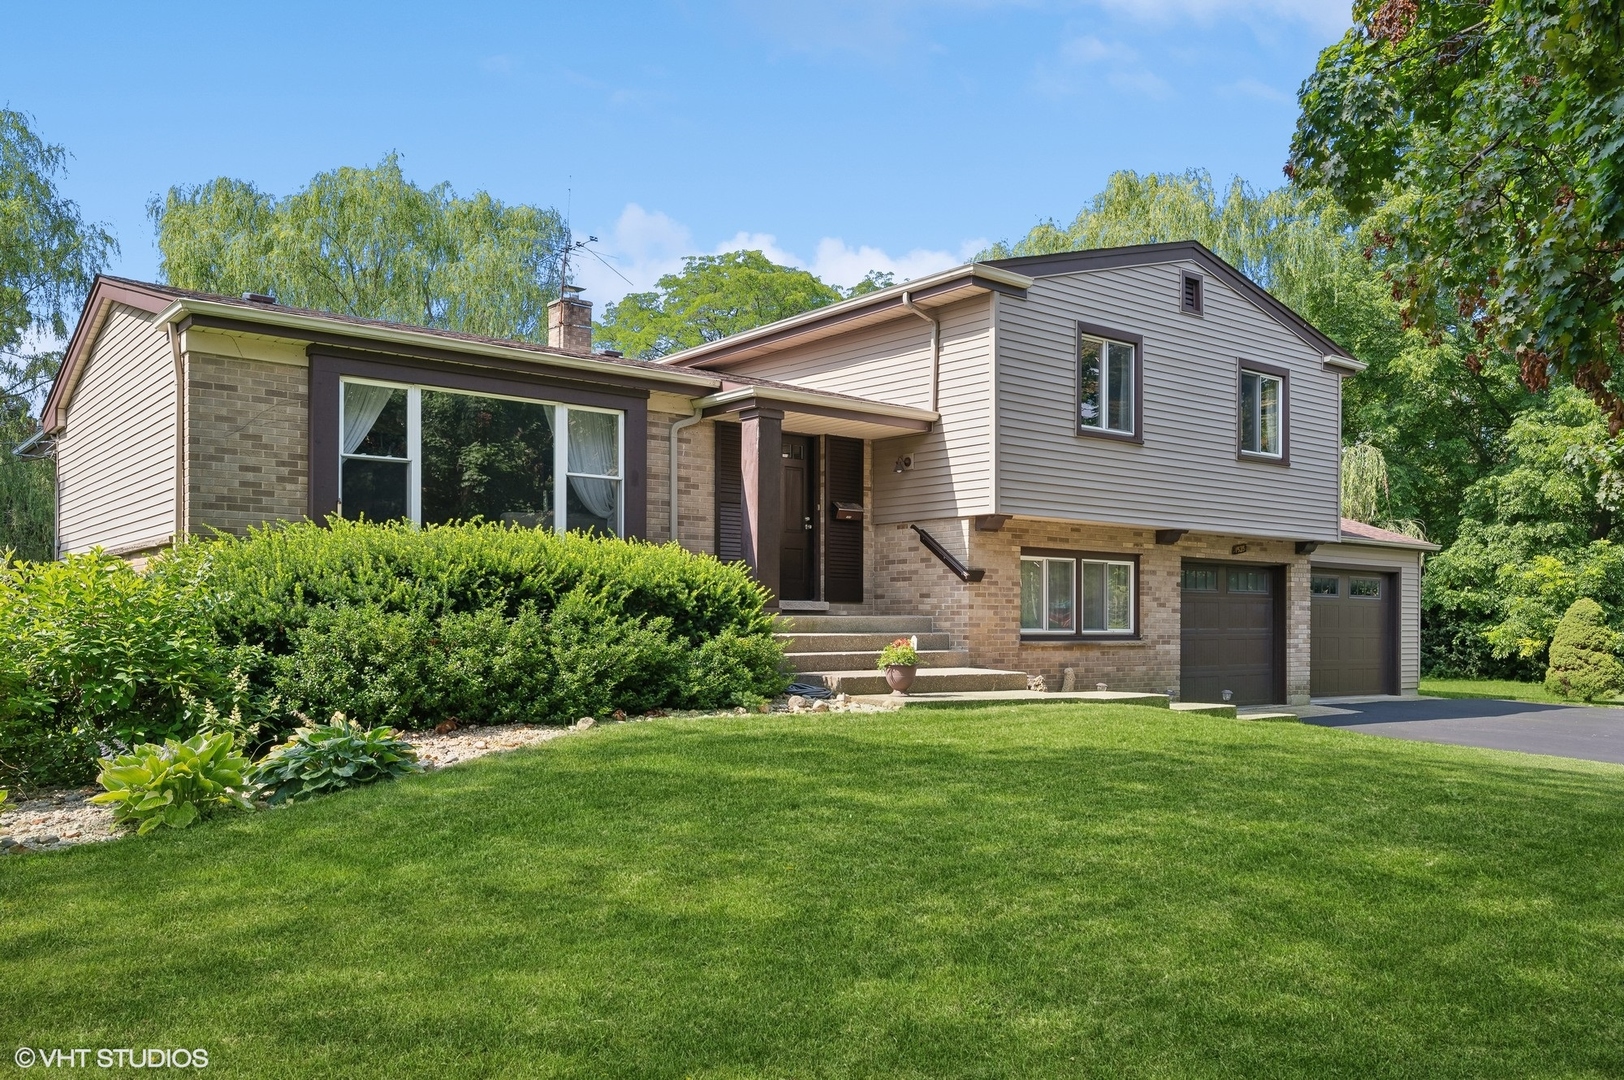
(809, 412)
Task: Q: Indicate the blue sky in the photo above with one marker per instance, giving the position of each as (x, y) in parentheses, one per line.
(841, 136)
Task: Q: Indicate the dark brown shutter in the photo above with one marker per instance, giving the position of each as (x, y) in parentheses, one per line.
(729, 494)
(843, 563)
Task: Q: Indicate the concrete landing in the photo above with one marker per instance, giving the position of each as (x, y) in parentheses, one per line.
(1202, 708)
(1272, 715)
(1015, 697)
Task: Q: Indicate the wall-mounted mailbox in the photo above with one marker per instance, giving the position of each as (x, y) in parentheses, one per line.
(845, 511)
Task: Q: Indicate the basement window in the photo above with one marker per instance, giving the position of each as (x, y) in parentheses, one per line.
(1065, 594)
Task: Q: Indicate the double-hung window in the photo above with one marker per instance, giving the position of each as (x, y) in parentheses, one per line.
(1077, 594)
(1107, 382)
(1262, 419)
(432, 456)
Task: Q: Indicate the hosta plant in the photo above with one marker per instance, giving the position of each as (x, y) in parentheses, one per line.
(327, 757)
(175, 783)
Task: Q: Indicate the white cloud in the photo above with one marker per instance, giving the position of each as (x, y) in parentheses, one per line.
(1328, 16)
(644, 245)
(1145, 83)
(1085, 62)
(1255, 88)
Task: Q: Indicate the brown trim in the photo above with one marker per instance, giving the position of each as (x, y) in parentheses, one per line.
(103, 294)
(1243, 365)
(1122, 337)
(1150, 254)
(761, 445)
(1199, 308)
(327, 366)
(1035, 637)
(832, 412)
(880, 305)
(346, 345)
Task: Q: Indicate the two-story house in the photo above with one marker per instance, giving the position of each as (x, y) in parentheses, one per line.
(1122, 464)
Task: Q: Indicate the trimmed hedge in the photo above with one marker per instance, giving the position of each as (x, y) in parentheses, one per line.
(389, 624)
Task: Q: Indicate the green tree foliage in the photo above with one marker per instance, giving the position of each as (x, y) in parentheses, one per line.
(1438, 422)
(370, 243)
(1584, 660)
(713, 296)
(49, 256)
(1535, 536)
(1494, 133)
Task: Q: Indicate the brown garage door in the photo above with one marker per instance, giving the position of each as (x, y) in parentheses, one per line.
(1353, 633)
(1231, 633)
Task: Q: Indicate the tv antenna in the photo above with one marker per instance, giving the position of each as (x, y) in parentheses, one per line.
(571, 245)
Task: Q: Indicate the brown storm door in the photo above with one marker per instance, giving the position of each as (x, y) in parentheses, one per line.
(797, 567)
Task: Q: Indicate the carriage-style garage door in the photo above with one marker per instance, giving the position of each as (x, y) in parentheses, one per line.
(1232, 634)
(1353, 635)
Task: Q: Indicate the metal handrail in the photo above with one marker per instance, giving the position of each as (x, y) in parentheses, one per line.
(949, 560)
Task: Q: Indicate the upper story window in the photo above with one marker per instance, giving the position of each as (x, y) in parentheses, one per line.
(1262, 420)
(433, 456)
(1108, 382)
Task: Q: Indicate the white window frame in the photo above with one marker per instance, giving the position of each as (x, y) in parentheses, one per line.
(561, 473)
(1078, 561)
(1279, 380)
(1106, 338)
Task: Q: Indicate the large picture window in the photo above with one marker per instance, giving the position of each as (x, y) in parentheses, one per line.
(1065, 594)
(1107, 382)
(434, 456)
(1262, 413)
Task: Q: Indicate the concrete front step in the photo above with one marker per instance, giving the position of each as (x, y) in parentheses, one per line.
(1202, 708)
(894, 625)
(1272, 715)
(861, 661)
(927, 681)
(1014, 697)
(847, 643)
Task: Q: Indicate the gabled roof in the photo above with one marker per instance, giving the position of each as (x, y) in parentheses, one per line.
(1070, 262)
(171, 304)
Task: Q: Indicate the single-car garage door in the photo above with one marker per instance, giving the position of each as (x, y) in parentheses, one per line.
(1353, 642)
(1231, 637)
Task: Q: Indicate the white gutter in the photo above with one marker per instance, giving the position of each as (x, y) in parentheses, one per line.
(677, 426)
(402, 336)
(935, 345)
(1344, 364)
(181, 493)
(785, 396)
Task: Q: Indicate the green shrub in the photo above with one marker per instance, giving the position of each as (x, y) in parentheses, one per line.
(901, 652)
(95, 655)
(329, 757)
(1584, 660)
(174, 783)
(732, 670)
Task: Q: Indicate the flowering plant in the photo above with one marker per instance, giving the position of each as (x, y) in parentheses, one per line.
(903, 652)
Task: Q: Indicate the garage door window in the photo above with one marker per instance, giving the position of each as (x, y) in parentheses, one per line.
(1077, 595)
(1368, 587)
(1249, 581)
(1325, 585)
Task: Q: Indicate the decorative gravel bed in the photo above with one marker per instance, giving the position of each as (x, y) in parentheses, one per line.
(56, 820)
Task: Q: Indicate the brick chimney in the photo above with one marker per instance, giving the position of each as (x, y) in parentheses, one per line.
(569, 322)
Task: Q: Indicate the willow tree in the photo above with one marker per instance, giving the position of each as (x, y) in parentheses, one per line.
(370, 243)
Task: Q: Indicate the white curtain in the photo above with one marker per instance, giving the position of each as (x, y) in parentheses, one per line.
(594, 447)
(362, 406)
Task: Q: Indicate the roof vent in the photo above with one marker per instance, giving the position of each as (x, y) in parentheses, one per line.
(1190, 300)
(258, 298)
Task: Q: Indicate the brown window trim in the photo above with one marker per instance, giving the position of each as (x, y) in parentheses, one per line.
(1038, 637)
(1200, 308)
(328, 366)
(1284, 458)
(1138, 343)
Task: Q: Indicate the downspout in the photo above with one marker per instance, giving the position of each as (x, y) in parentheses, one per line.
(676, 427)
(180, 435)
(935, 345)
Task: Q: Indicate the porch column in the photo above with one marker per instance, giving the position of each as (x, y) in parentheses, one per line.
(761, 446)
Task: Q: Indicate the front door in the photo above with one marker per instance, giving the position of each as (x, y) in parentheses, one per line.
(798, 559)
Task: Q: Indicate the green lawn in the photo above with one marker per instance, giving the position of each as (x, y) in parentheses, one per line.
(1497, 688)
(1108, 891)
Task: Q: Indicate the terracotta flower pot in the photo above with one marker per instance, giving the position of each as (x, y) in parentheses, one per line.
(900, 676)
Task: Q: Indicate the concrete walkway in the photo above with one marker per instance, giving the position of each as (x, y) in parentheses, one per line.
(1594, 733)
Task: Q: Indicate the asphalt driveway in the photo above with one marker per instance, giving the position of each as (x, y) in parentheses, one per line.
(1575, 731)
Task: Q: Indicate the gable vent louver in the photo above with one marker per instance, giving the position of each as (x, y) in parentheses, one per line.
(1191, 299)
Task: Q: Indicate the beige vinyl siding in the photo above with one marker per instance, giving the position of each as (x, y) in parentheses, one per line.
(890, 362)
(115, 461)
(1405, 563)
(1185, 475)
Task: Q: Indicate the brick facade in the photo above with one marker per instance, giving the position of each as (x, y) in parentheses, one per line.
(247, 442)
(985, 617)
